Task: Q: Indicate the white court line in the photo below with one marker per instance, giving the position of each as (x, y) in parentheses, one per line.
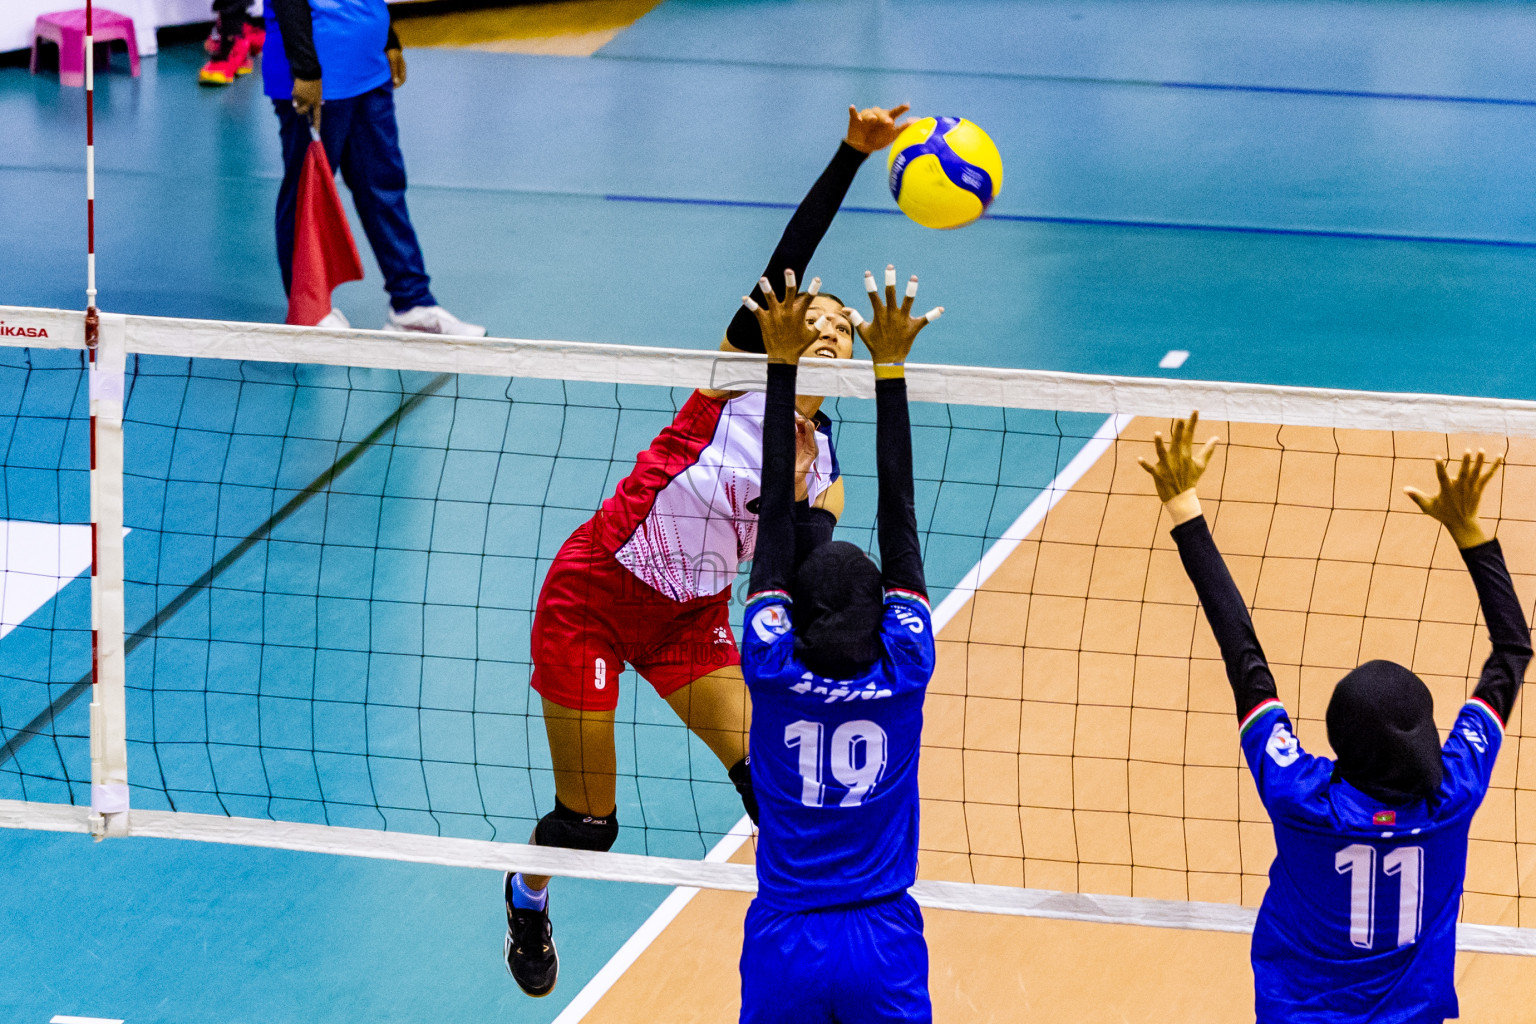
(64, 1019)
(1174, 359)
(995, 556)
(37, 560)
(654, 925)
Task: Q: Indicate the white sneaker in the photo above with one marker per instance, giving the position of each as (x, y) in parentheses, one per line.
(335, 318)
(433, 320)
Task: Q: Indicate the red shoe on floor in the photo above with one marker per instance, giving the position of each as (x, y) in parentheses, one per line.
(256, 36)
(224, 70)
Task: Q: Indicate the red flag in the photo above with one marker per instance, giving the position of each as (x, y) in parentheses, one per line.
(324, 254)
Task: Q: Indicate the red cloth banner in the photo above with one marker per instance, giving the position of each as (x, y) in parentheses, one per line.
(324, 253)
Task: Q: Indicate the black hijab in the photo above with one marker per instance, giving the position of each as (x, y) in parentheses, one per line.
(838, 607)
(1381, 723)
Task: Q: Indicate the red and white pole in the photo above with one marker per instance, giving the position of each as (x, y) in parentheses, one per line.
(92, 318)
(106, 355)
(91, 323)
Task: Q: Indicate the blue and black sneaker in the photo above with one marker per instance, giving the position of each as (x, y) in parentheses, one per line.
(530, 947)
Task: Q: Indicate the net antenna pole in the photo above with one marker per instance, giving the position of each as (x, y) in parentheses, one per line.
(106, 352)
(92, 322)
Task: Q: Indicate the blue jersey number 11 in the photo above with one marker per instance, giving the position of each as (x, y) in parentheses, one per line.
(1359, 862)
(859, 774)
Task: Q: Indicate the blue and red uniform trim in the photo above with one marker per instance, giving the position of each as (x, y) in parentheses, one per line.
(908, 595)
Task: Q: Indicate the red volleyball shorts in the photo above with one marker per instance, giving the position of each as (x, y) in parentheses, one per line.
(594, 615)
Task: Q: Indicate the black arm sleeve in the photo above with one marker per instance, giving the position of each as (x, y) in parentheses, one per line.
(1504, 670)
(813, 528)
(901, 558)
(1247, 670)
(774, 560)
(296, 23)
(805, 231)
(393, 41)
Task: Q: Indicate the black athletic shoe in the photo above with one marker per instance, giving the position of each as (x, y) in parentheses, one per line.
(530, 947)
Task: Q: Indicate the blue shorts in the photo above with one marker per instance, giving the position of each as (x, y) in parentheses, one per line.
(860, 965)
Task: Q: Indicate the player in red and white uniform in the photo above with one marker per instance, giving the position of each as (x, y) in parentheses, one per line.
(687, 514)
(647, 580)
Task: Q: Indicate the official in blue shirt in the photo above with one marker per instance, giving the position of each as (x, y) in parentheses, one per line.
(837, 656)
(1359, 922)
(342, 57)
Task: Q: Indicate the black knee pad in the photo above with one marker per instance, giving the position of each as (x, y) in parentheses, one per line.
(571, 830)
(741, 778)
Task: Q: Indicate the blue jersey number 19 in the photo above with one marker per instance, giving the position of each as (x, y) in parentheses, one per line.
(1359, 862)
(849, 741)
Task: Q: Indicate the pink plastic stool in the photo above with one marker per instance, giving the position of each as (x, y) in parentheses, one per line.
(67, 29)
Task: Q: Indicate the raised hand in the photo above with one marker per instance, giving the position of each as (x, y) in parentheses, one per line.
(1179, 467)
(875, 127)
(889, 334)
(1456, 503)
(786, 335)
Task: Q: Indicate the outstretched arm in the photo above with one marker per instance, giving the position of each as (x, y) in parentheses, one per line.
(1178, 468)
(1455, 506)
(868, 130)
(785, 335)
(889, 335)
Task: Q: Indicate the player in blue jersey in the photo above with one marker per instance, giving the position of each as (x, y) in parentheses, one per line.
(1359, 923)
(838, 655)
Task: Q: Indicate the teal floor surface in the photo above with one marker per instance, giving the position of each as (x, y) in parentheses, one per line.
(1330, 194)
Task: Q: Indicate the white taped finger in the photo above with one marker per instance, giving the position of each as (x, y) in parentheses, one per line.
(815, 286)
(821, 322)
(767, 288)
(856, 317)
(789, 279)
(869, 282)
(890, 277)
(912, 287)
(746, 300)
(933, 314)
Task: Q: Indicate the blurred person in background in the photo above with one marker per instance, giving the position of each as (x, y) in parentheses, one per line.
(234, 43)
(341, 59)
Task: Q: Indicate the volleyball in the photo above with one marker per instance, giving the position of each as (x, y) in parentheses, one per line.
(945, 172)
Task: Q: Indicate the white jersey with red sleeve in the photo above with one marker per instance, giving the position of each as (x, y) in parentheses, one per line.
(685, 518)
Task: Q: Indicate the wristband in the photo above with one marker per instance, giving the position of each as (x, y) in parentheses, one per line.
(1183, 507)
(886, 371)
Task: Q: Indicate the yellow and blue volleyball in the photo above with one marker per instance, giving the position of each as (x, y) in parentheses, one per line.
(945, 172)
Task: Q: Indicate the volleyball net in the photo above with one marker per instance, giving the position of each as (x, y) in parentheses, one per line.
(333, 542)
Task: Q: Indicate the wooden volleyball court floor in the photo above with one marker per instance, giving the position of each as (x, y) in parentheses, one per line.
(1080, 733)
